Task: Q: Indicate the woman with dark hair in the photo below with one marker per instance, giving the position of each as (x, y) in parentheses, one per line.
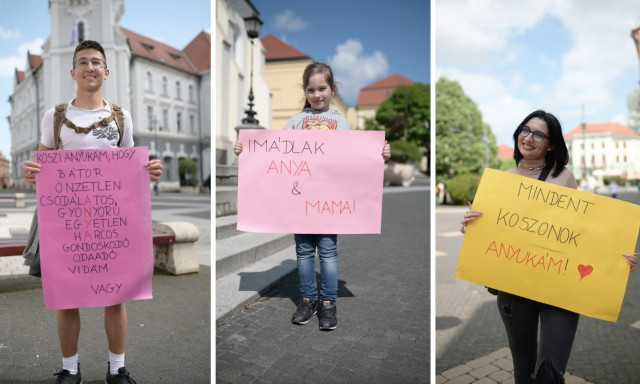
(540, 152)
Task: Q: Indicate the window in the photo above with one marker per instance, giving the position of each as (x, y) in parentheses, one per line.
(178, 121)
(149, 82)
(191, 93)
(624, 145)
(178, 90)
(150, 118)
(80, 32)
(165, 119)
(603, 145)
(192, 125)
(164, 85)
(148, 47)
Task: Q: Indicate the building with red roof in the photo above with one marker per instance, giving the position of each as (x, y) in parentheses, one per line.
(610, 149)
(166, 89)
(284, 66)
(372, 95)
(505, 152)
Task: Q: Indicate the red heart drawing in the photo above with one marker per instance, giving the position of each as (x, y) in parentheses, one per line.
(584, 270)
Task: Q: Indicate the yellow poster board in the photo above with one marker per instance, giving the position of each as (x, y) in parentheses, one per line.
(549, 243)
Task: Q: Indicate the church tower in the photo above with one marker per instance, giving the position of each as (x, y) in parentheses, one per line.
(73, 21)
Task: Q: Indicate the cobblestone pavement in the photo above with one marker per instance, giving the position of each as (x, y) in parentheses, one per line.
(469, 330)
(168, 337)
(383, 333)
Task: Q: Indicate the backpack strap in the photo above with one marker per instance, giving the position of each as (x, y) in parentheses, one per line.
(119, 120)
(58, 119)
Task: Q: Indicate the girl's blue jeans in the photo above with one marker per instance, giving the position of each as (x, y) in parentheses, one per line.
(327, 249)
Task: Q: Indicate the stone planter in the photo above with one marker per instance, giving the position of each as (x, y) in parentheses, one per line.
(190, 190)
(399, 173)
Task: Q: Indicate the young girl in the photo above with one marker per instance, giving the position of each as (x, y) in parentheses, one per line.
(319, 88)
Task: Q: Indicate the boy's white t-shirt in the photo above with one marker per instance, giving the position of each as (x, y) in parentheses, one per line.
(101, 137)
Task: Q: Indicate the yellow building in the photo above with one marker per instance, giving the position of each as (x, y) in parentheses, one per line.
(283, 73)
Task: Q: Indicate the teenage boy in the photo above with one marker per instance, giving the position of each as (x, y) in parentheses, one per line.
(89, 71)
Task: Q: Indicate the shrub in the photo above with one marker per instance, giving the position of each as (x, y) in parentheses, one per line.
(189, 183)
(463, 187)
(404, 152)
(619, 180)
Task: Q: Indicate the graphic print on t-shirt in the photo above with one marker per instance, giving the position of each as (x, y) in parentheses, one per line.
(109, 132)
(315, 123)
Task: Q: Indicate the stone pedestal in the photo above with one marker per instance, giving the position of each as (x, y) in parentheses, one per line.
(180, 257)
(19, 200)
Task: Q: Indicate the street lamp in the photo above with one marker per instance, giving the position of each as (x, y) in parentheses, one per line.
(252, 24)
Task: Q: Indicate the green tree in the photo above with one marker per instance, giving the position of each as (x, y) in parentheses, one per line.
(406, 114)
(460, 144)
(187, 168)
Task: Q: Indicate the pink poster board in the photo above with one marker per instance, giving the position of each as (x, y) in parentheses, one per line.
(312, 181)
(94, 219)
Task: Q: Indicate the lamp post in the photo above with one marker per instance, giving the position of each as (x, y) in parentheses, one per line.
(252, 24)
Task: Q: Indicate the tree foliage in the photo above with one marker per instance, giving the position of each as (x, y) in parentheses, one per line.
(460, 146)
(633, 105)
(187, 169)
(405, 113)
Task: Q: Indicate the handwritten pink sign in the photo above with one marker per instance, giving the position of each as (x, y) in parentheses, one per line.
(310, 181)
(94, 219)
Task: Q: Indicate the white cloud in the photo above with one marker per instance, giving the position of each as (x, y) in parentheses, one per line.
(354, 69)
(470, 33)
(473, 43)
(501, 110)
(19, 60)
(288, 21)
(7, 34)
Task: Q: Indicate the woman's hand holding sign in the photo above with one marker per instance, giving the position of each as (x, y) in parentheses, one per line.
(468, 217)
(632, 259)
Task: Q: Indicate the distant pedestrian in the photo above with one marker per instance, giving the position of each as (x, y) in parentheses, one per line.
(319, 88)
(89, 71)
(540, 152)
(613, 188)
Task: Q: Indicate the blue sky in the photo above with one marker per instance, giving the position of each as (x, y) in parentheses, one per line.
(512, 57)
(362, 41)
(25, 25)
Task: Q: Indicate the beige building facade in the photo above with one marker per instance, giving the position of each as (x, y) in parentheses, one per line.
(283, 73)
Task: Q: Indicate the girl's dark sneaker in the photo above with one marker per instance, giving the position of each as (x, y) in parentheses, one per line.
(327, 316)
(306, 309)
